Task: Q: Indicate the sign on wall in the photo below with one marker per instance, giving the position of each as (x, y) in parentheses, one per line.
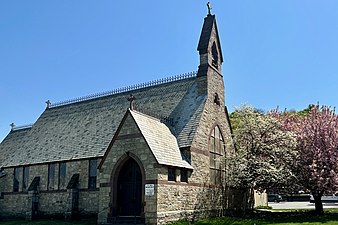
(149, 189)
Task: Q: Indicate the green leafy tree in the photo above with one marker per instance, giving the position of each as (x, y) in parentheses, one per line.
(264, 154)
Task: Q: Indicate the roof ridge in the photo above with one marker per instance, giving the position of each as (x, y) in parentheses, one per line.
(144, 114)
(158, 117)
(124, 89)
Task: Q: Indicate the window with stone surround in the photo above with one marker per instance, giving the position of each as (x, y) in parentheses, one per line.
(184, 175)
(92, 174)
(216, 155)
(62, 175)
(51, 176)
(171, 174)
(16, 174)
(25, 178)
(186, 155)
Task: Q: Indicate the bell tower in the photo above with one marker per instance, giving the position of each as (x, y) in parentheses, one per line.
(210, 78)
(209, 46)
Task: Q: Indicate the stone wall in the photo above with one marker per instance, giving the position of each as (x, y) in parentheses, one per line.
(188, 200)
(14, 205)
(55, 201)
(261, 199)
(6, 182)
(89, 204)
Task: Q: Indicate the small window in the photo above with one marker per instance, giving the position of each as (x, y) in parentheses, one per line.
(184, 175)
(62, 175)
(186, 155)
(171, 174)
(25, 177)
(217, 101)
(51, 176)
(16, 179)
(92, 173)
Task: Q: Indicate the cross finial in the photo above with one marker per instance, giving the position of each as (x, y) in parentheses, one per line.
(209, 8)
(131, 99)
(12, 125)
(48, 104)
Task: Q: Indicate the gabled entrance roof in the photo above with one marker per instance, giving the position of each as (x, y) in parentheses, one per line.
(161, 142)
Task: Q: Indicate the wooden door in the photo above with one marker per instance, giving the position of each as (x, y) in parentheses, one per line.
(129, 189)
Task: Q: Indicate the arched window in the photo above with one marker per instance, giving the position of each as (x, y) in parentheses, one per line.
(216, 153)
(214, 54)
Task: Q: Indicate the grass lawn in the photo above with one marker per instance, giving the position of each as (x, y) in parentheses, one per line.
(287, 217)
(327, 220)
(281, 217)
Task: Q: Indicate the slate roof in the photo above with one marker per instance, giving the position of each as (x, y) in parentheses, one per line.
(14, 140)
(84, 129)
(160, 140)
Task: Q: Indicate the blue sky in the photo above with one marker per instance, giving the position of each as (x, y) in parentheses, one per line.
(276, 53)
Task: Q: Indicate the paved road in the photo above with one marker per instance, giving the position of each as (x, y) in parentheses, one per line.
(299, 205)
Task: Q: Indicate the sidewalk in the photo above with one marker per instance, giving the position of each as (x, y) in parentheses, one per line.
(299, 205)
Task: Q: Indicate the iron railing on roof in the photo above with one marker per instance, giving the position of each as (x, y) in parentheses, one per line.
(124, 89)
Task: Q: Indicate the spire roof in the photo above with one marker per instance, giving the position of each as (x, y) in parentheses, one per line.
(203, 44)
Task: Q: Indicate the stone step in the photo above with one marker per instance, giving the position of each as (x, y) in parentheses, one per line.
(127, 220)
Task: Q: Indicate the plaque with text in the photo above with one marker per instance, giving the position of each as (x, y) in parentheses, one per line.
(149, 189)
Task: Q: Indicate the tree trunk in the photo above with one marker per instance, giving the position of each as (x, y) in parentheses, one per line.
(244, 201)
(317, 196)
(251, 199)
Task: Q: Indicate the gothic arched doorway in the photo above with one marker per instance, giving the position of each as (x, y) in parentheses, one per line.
(129, 190)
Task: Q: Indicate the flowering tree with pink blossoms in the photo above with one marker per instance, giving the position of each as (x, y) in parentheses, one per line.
(317, 143)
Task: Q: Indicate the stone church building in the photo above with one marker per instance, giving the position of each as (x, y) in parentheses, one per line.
(150, 153)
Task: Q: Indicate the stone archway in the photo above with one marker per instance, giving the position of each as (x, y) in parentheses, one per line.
(127, 190)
